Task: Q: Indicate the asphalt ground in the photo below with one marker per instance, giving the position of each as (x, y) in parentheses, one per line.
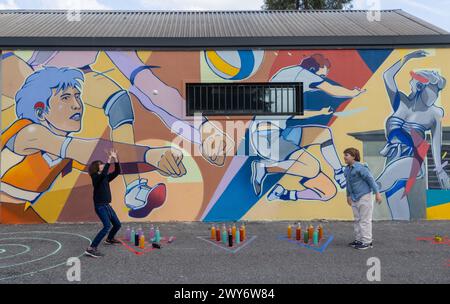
(405, 251)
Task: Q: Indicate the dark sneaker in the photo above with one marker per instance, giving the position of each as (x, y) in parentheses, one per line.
(93, 253)
(363, 246)
(112, 242)
(354, 243)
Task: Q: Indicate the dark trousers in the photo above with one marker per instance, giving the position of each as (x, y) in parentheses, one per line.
(109, 219)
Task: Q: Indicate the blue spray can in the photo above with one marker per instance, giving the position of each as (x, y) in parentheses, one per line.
(157, 235)
(316, 237)
(132, 235)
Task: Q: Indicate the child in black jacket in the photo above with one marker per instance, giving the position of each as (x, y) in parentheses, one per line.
(102, 199)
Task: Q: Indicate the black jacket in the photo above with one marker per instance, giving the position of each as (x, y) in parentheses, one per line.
(102, 192)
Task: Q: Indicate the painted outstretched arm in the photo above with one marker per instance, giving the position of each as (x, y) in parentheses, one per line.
(155, 95)
(35, 138)
(390, 73)
(169, 105)
(339, 91)
(323, 111)
(62, 58)
(312, 113)
(436, 142)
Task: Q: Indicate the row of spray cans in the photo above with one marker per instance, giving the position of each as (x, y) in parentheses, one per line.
(228, 236)
(138, 238)
(310, 235)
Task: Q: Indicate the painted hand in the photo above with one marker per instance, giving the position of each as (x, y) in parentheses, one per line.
(325, 111)
(416, 54)
(357, 91)
(168, 160)
(215, 144)
(443, 180)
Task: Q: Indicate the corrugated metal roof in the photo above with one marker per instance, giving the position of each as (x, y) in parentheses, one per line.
(47, 28)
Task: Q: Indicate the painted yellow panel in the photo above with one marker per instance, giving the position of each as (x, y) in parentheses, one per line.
(440, 212)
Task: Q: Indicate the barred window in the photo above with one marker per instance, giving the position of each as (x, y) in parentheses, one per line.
(244, 98)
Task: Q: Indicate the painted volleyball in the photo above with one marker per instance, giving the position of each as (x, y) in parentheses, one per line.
(234, 65)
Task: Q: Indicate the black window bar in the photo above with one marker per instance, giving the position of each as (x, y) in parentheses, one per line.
(244, 98)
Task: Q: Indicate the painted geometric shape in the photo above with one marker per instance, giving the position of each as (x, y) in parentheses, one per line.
(233, 249)
(323, 244)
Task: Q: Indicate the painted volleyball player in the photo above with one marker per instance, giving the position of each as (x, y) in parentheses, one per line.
(413, 116)
(283, 149)
(40, 145)
(117, 105)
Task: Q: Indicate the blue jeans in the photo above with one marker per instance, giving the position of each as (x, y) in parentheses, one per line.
(107, 216)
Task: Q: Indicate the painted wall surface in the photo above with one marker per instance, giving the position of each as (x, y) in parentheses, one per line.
(61, 110)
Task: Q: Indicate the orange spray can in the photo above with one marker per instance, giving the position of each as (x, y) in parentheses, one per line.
(241, 234)
(320, 232)
(245, 231)
(142, 241)
(213, 232)
(289, 231)
(233, 232)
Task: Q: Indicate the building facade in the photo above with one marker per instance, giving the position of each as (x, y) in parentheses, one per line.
(220, 128)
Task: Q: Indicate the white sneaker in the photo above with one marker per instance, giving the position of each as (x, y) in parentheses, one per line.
(142, 199)
(276, 193)
(339, 177)
(259, 173)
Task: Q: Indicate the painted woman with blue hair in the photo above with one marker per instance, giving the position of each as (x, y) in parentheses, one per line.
(116, 103)
(414, 115)
(49, 109)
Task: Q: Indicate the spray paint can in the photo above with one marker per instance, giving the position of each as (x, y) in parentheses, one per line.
(305, 237)
(218, 233)
(241, 234)
(152, 233)
(310, 232)
(142, 241)
(244, 232)
(238, 238)
(233, 231)
(157, 235)
(128, 234)
(298, 232)
(136, 239)
(289, 232)
(213, 232)
(320, 232)
(230, 238)
(316, 237)
(224, 235)
(132, 233)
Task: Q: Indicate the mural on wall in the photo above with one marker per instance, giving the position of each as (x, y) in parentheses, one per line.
(62, 109)
(413, 115)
